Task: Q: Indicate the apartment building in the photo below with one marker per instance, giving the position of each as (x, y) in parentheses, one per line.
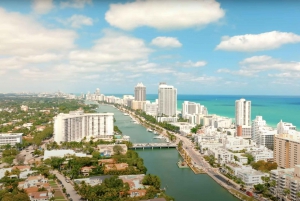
(287, 150)
(286, 179)
(78, 125)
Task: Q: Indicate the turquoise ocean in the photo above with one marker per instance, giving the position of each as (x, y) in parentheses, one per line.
(271, 108)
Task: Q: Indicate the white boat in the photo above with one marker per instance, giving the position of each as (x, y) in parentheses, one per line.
(156, 133)
(125, 114)
(149, 130)
(135, 122)
(159, 137)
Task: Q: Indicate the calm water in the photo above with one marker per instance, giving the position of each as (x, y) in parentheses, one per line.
(182, 184)
(272, 108)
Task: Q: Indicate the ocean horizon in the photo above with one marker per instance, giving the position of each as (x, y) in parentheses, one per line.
(272, 108)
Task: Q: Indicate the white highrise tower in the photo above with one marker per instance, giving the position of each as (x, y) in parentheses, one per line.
(243, 118)
(140, 92)
(167, 100)
(97, 91)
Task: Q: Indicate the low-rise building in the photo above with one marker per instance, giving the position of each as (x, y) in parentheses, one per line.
(62, 153)
(137, 189)
(221, 155)
(10, 138)
(167, 119)
(184, 127)
(86, 170)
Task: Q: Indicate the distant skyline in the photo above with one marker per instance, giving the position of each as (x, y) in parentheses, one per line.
(200, 47)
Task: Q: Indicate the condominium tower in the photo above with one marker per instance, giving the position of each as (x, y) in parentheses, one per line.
(78, 125)
(167, 100)
(243, 118)
(140, 92)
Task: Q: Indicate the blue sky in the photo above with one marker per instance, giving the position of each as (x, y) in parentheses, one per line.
(200, 47)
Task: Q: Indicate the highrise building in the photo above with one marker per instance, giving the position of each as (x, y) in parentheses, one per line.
(191, 108)
(78, 125)
(97, 91)
(243, 118)
(167, 100)
(287, 149)
(140, 92)
(261, 133)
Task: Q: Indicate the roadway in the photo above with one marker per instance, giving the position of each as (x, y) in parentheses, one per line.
(68, 186)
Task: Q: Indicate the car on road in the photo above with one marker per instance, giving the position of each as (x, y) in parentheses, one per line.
(67, 180)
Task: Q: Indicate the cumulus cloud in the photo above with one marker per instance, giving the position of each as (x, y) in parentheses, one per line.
(23, 36)
(190, 64)
(75, 3)
(257, 42)
(164, 14)
(76, 21)
(166, 42)
(253, 65)
(42, 6)
(113, 47)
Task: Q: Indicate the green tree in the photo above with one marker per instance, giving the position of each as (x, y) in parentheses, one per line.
(118, 149)
(152, 180)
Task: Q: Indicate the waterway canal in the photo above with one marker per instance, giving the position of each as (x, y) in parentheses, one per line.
(182, 184)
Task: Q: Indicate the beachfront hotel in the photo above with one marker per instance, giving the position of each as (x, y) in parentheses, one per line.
(78, 125)
(167, 100)
(10, 138)
(140, 92)
(243, 118)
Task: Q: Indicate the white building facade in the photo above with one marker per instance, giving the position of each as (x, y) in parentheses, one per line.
(261, 133)
(77, 125)
(243, 118)
(191, 108)
(167, 100)
(10, 138)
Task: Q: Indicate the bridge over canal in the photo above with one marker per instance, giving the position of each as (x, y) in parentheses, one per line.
(153, 145)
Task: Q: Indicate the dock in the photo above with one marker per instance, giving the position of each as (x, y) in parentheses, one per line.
(153, 145)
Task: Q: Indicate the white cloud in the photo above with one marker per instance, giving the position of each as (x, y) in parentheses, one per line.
(164, 14)
(257, 42)
(166, 42)
(76, 21)
(75, 3)
(21, 35)
(113, 47)
(189, 64)
(286, 75)
(253, 65)
(204, 78)
(256, 59)
(42, 6)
